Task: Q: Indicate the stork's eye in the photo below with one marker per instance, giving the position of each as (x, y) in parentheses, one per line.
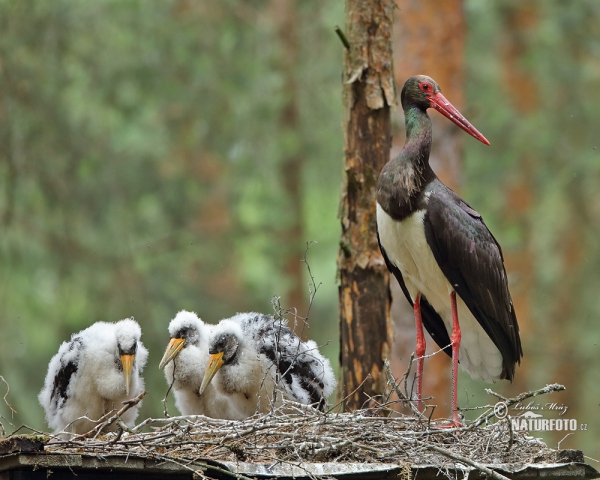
(183, 332)
(221, 343)
(425, 87)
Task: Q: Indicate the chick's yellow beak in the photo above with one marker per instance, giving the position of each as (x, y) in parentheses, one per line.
(173, 349)
(214, 363)
(127, 362)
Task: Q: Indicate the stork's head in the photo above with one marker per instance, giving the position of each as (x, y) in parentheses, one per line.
(128, 334)
(223, 350)
(185, 329)
(423, 92)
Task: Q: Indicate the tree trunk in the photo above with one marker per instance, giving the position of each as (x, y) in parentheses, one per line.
(364, 298)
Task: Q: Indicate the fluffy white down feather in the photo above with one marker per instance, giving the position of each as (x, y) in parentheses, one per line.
(265, 343)
(186, 370)
(85, 377)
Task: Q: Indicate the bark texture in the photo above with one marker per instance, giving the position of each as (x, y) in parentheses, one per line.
(364, 297)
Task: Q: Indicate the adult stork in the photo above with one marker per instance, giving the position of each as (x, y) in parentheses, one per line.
(185, 361)
(445, 259)
(252, 354)
(93, 374)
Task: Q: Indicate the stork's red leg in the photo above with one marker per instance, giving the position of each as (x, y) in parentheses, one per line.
(420, 348)
(455, 338)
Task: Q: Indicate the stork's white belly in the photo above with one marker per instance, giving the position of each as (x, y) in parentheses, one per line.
(406, 247)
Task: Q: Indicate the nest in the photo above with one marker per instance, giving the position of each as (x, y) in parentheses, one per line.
(293, 433)
(297, 435)
(300, 439)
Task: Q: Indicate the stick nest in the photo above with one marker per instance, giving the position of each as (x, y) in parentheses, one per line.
(295, 434)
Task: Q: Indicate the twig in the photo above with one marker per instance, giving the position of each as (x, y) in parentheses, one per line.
(555, 387)
(291, 355)
(164, 400)
(342, 36)
(511, 435)
(122, 428)
(312, 286)
(460, 458)
(31, 429)
(432, 354)
(127, 405)
(401, 395)
(406, 375)
(349, 395)
(561, 440)
(12, 410)
(497, 395)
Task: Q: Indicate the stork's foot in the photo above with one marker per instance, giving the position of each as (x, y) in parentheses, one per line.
(453, 422)
(450, 424)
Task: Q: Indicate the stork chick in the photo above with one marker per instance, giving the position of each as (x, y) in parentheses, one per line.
(252, 353)
(94, 373)
(185, 361)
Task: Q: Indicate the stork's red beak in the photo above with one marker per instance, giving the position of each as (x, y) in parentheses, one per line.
(439, 102)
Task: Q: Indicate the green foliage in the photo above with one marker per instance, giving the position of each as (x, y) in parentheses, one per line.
(543, 134)
(141, 170)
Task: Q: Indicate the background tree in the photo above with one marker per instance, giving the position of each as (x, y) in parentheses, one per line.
(536, 64)
(364, 299)
(119, 198)
(424, 32)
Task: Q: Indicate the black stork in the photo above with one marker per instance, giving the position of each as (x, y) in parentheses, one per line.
(445, 259)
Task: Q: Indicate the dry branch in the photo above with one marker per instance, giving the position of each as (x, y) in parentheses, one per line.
(508, 402)
(94, 432)
(467, 461)
(12, 410)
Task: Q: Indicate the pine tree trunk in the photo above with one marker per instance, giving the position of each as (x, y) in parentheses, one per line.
(364, 298)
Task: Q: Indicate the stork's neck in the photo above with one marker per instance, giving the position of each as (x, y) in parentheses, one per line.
(403, 179)
(418, 137)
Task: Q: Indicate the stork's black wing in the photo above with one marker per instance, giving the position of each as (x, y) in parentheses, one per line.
(432, 322)
(472, 261)
(69, 361)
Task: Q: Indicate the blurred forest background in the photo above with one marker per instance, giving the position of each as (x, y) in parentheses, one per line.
(167, 155)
